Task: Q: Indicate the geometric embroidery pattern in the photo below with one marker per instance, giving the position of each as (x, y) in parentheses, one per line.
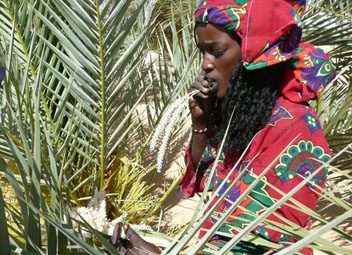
(299, 160)
(253, 204)
(280, 113)
(263, 232)
(312, 122)
(233, 194)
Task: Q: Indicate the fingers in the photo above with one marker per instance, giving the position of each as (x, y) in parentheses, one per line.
(140, 246)
(123, 250)
(202, 80)
(114, 239)
(201, 100)
(201, 85)
(119, 243)
(132, 236)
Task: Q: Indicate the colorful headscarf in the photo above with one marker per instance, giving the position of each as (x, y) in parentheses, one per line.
(271, 33)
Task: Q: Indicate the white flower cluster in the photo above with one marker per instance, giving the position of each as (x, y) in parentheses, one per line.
(166, 125)
(141, 227)
(95, 215)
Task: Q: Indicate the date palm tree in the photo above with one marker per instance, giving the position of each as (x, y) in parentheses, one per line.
(78, 92)
(76, 72)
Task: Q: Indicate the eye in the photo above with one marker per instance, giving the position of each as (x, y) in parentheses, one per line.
(217, 52)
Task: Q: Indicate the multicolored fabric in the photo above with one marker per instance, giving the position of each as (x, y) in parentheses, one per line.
(271, 33)
(294, 142)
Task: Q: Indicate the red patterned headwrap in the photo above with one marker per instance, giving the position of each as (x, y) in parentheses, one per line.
(271, 33)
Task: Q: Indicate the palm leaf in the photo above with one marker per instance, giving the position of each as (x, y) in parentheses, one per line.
(67, 74)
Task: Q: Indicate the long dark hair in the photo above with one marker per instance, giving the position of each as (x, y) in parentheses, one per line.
(252, 95)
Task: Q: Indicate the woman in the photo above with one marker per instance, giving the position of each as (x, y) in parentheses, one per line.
(257, 79)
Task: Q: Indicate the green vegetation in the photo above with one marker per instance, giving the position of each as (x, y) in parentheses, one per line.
(82, 96)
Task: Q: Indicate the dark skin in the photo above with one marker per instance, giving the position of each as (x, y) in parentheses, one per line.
(133, 244)
(221, 54)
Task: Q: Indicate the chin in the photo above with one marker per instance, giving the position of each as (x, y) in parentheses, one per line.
(220, 94)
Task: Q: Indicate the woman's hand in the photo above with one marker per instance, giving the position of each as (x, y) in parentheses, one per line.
(201, 104)
(133, 244)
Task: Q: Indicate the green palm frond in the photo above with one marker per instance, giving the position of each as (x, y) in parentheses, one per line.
(329, 24)
(5, 241)
(79, 88)
(74, 76)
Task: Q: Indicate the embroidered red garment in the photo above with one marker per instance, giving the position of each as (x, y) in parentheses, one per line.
(271, 34)
(290, 121)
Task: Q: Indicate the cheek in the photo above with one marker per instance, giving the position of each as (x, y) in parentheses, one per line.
(226, 70)
(229, 64)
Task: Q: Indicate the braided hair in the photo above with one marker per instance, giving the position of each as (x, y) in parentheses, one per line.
(251, 95)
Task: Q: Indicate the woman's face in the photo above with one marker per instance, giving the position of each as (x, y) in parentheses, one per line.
(221, 54)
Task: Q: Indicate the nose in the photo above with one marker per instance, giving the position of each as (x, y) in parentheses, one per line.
(207, 65)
